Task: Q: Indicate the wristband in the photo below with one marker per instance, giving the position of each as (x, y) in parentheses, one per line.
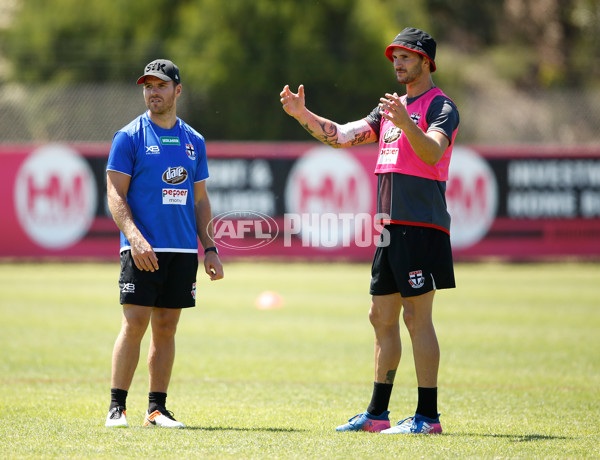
(211, 248)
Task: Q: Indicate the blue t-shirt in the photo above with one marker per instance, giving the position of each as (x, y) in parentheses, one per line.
(163, 164)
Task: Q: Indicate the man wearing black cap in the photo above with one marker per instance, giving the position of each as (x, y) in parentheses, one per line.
(416, 134)
(156, 189)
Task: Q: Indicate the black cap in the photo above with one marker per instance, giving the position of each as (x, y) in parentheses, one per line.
(414, 40)
(163, 69)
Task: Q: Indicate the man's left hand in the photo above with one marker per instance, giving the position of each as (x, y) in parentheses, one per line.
(395, 110)
(213, 266)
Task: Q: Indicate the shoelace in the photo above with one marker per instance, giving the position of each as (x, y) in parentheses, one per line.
(116, 413)
(406, 419)
(353, 420)
(167, 413)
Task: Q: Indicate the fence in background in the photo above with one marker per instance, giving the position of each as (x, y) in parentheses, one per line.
(93, 112)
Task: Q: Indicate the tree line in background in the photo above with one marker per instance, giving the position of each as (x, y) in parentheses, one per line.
(236, 55)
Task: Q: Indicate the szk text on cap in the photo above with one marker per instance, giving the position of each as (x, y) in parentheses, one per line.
(163, 69)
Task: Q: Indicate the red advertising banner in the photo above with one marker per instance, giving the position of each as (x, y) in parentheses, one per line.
(306, 200)
(525, 203)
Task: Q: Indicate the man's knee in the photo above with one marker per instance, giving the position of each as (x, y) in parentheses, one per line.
(409, 320)
(135, 321)
(164, 323)
(385, 311)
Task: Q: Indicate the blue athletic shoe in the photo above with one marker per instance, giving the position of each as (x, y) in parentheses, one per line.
(416, 424)
(366, 422)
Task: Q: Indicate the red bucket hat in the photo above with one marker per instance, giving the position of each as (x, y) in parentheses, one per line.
(414, 40)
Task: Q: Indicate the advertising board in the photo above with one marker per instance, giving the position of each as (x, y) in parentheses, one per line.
(308, 201)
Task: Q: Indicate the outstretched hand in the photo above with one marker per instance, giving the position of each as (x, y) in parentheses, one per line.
(393, 110)
(293, 103)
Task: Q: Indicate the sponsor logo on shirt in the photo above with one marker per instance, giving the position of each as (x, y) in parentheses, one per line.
(416, 117)
(191, 152)
(169, 140)
(174, 176)
(152, 150)
(392, 135)
(174, 196)
(388, 156)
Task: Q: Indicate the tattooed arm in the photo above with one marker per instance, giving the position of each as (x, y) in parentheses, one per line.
(327, 131)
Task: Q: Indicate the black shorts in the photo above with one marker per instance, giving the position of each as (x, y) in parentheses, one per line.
(416, 261)
(173, 285)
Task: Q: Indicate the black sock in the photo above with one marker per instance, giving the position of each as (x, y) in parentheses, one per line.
(118, 398)
(380, 399)
(427, 405)
(156, 400)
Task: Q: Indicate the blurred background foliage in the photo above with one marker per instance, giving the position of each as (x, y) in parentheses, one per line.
(236, 55)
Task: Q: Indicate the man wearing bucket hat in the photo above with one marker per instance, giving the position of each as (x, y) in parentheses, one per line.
(156, 190)
(416, 133)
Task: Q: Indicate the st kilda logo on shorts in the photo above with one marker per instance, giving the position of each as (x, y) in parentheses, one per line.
(174, 176)
(416, 279)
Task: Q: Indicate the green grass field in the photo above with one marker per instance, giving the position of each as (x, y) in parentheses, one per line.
(519, 377)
